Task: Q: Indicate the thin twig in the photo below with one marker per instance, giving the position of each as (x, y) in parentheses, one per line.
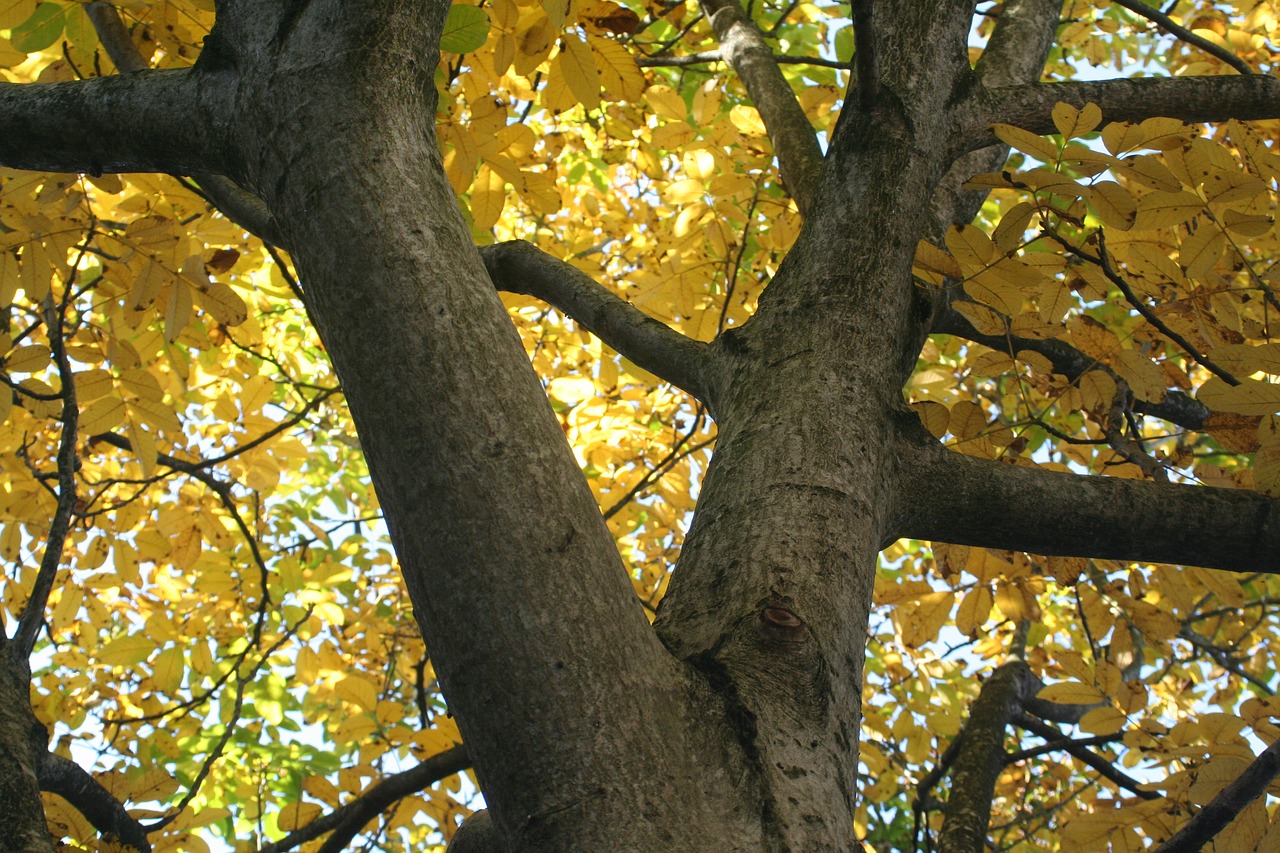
(1183, 34)
(33, 614)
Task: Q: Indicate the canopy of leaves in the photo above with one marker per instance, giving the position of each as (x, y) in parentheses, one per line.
(228, 645)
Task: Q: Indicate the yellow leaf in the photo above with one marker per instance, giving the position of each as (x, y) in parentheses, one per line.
(1026, 142)
(1011, 602)
(1098, 390)
(621, 77)
(1266, 470)
(1199, 253)
(972, 248)
(1250, 397)
(571, 389)
(1144, 378)
(540, 193)
(177, 311)
(1072, 122)
(1115, 206)
(1103, 721)
(126, 651)
(359, 691)
(168, 669)
(1165, 209)
(934, 416)
(28, 359)
(924, 618)
(746, 119)
(666, 103)
(985, 320)
(298, 814)
(355, 729)
(14, 12)
(974, 609)
(92, 384)
(932, 259)
(967, 420)
(1071, 693)
(102, 416)
(488, 196)
(579, 70)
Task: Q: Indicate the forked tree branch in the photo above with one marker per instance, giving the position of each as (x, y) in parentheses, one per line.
(239, 205)
(792, 136)
(1190, 99)
(1183, 34)
(954, 498)
(520, 267)
(1229, 802)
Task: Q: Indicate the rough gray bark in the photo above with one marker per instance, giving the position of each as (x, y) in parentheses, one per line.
(733, 723)
(21, 745)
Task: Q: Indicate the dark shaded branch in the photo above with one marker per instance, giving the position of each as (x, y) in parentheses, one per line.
(24, 638)
(793, 138)
(864, 46)
(1077, 750)
(949, 497)
(346, 821)
(240, 206)
(1229, 802)
(1190, 99)
(1183, 34)
(519, 267)
(1176, 407)
(660, 61)
(62, 776)
(147, 122)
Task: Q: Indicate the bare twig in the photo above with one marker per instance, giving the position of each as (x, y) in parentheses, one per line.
(1085, 755)
(347, 820)
(32, 618)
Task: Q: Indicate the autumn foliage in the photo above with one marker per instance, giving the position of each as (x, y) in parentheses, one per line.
(217, 627)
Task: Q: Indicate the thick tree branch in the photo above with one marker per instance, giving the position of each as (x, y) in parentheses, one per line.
(954, 498)
(519, 267)
(1229, 802)
(1019, 44)
(62, 776)
(23, 740)
(1190, 99)
(1176, 407)
(792, 136)
(347, 820)
(239, 205)
(1183, 34)
(981, 758)
(152, 122)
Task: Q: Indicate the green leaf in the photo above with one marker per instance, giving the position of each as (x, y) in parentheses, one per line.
(39, 31)
(465, 29)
